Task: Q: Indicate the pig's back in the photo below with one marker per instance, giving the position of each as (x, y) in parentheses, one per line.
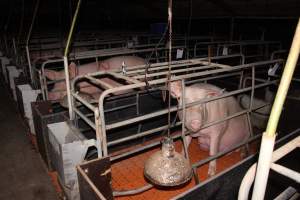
(87, 68)
(116, 62)
(237, 129)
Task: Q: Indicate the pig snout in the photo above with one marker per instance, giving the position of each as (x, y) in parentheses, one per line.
(195, 125)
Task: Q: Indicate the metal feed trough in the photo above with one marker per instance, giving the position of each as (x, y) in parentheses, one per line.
(188, 71)
(44, 114)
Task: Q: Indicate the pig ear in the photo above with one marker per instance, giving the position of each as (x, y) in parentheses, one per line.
(175, 89)
(212, 93)
(51, 74)
(72, 69)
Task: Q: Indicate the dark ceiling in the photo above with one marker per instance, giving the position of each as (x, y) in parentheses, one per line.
(152, 9)
(56, 14)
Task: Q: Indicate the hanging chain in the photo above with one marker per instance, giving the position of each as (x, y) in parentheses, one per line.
(169, 64)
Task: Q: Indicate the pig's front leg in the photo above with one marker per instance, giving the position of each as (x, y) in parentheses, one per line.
(213, 150)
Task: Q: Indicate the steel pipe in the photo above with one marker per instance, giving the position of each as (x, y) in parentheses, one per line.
(28, 38)
(286, 172)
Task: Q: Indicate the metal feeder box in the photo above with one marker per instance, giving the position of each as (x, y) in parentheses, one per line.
(21, 80)
(94, 179)
(26, 95)
(4, 62)
(12, 72)
(68, 148)
(42, 116)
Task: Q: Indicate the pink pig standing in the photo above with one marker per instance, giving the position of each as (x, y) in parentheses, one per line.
(113, 63)
(219, 137)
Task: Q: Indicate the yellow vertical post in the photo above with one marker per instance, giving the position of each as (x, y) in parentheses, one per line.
(71, 113)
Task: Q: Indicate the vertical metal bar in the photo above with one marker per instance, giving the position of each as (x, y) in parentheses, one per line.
(15, 48)
(185, 147)
(183, 120)
(71, 112)
(70, 98)
(28, 38)
(137, 99)
(209, 54)
(103, 127)
(99, 136)
(251, 100)
(97, 62)
(42, 85)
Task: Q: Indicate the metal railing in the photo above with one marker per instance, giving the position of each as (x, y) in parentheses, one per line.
(196, 69)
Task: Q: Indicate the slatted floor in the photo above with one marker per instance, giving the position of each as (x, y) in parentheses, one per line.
(128, 174)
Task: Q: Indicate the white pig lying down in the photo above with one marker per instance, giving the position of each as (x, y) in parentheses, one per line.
(259, 117)
(114, 63)
(216, 138)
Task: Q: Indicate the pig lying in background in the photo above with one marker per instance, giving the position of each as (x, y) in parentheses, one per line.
(259, 117)
(219, 137)
(113, 63)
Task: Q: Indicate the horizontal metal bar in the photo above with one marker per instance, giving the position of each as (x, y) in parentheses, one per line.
(153, 65)
(215, 77)
(293, 79)
(119, 107)
(294, 175)
(204, 67)
(136, 136)
(220, 154)
(84, 118)
(175, 64)
(145, 133)
(99, 82)
(185, 76)
(132, 191)
(126, 78)
(174, 108)
(83, 101)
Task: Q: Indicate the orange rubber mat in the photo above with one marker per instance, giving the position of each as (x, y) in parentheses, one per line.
(128, 174)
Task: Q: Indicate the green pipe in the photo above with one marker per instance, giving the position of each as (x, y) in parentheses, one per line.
(284, 83)
(72, 29)
(71, 112)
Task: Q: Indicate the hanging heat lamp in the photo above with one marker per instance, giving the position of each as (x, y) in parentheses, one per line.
(167, 167)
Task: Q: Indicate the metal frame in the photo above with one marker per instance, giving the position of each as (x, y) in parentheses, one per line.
(242, 45)
(40, 79)
(277, 154)
(134, 82)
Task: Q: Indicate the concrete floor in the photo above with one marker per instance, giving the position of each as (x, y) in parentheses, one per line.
(23, 174)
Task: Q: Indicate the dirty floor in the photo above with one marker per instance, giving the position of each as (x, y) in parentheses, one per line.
(23, 175)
